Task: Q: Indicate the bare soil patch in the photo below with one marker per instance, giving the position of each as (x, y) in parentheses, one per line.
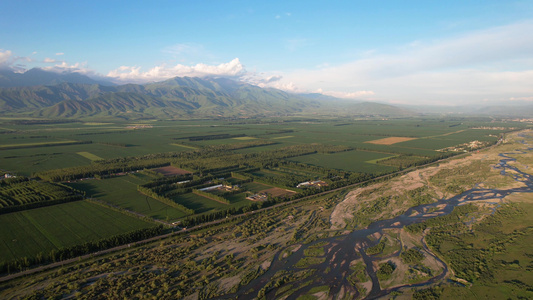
(171, 171)
(277, 192)
(391, 140)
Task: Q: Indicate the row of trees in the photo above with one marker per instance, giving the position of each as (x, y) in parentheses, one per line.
(148, 192)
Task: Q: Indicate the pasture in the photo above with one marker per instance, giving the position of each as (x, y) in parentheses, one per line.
(41, 230)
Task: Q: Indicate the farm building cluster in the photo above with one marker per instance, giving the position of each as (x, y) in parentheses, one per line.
(316, 184)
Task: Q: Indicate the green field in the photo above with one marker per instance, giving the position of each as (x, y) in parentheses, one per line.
(356, 161)
(27, 233)
(203, 205)
(113, 140)
(310, 150)
(122, 191)
(89, 155)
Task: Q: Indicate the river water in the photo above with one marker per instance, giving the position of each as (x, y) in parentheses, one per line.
(340, 251)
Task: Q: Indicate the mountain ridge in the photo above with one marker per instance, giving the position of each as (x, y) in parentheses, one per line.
(37, 76)
(174, 98)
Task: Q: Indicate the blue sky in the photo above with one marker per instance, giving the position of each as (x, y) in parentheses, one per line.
(411, 52)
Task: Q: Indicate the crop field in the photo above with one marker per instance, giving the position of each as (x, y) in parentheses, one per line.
(255, 187)
(201, 204)
(355, 161)
(171, 171)
(266, 173)
(113, 140)
(184, 146)
(122, 191)
(89, 155)
(261, 148)
(36, 145)
(27, 233)
(288, 170)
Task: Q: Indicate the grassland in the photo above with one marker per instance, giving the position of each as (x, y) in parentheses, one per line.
(40, 230)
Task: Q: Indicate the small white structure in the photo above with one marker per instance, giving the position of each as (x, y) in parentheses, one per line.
(214, 187)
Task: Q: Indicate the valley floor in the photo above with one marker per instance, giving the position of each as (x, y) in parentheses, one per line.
(459, 229)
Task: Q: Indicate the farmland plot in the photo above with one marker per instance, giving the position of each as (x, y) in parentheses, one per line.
(122, 191)
(355, 161)
(27, 233)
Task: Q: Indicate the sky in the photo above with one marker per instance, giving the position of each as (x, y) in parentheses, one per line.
(399, 52)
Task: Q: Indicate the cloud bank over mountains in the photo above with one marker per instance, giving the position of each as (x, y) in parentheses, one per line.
(233, 69)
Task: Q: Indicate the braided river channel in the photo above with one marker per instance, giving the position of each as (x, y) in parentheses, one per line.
(341, 250)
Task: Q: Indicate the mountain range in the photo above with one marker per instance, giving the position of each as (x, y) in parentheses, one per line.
(44, 94)
(70, 95)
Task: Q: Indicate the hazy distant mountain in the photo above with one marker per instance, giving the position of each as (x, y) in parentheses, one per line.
(38, 76)
(512, 109)
(176, 98)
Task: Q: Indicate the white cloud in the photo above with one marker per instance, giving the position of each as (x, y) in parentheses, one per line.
(521, 99)
(8, 61)
(78, 67)
(60, 53)
(49, 60)
(347, 95)
(65, 67)
(233, 68)
(494, 63)
(4, 57)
